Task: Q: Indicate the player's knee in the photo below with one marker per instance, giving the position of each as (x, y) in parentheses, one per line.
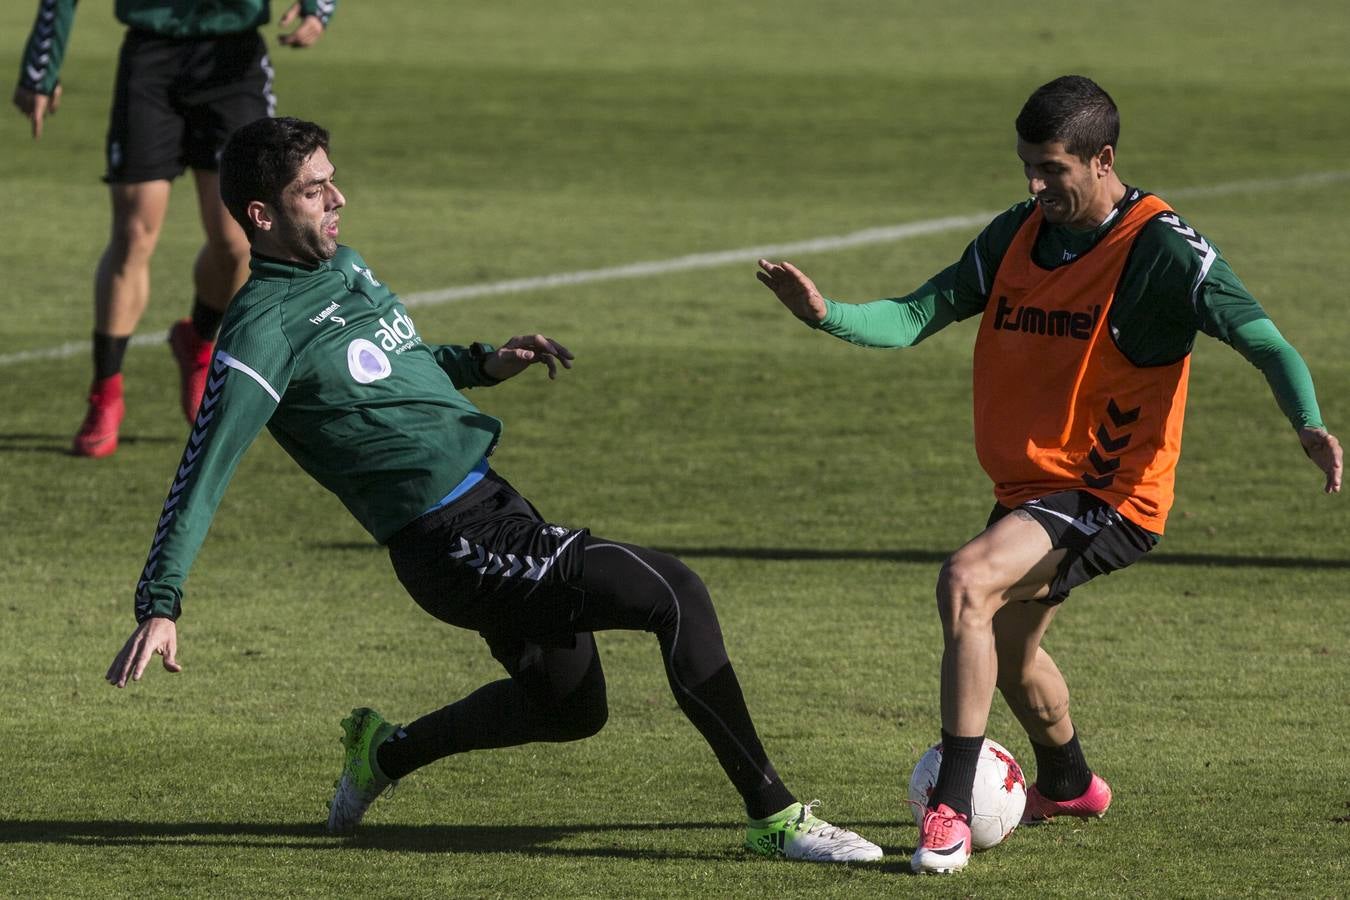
(228, 248)
(686, 598)
(963, 595)
(582, 717)
(592, 719)
(133, 238)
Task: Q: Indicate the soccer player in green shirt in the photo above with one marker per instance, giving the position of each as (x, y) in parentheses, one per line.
(317, 348)
(188, 74)
(1091, 295)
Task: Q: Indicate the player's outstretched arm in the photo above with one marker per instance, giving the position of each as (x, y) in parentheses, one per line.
(1324, 450)
(37, 106)
(157, 635)
(797, 292)
(306, 34)
(523, 351)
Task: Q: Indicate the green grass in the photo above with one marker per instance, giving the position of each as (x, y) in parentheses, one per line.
(815, 486)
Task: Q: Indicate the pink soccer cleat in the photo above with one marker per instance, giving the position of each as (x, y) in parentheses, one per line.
(194, 357)
(97, 436)
(1092, 804)
(944, 842)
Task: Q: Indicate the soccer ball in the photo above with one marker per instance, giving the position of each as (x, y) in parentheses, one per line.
(999, 798)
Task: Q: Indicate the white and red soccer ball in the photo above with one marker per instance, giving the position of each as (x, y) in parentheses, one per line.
(999, 798)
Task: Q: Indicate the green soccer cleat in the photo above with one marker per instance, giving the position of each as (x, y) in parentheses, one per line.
(797, 834)
(362, 782)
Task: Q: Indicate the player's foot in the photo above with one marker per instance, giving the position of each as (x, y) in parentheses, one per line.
(362, 782)
(194, 357)
(944, 842)
(797, 834)
(97, 436)
(1093, 803)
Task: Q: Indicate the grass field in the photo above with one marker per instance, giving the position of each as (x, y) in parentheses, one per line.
(816, 486)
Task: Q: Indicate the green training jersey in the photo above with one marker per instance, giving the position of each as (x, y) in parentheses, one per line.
(328, 359)
(40, 67)
(1175, 285)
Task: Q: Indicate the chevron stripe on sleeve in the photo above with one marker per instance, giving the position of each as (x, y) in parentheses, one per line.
(232, 414)
(40, 67)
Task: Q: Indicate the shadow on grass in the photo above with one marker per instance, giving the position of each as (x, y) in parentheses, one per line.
(59, 444)
(938, 557)
(935, 557)
(613, 839)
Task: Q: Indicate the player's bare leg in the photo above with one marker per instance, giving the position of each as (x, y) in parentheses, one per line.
(1011, 560)
(1028, 678)
(122, 281)
(222, 263)
(1037, 694)
(121, 292)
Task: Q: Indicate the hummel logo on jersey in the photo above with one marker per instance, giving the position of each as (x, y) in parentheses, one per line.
(325, 313)
(398, 335)
(1055, 322)
(366, 272)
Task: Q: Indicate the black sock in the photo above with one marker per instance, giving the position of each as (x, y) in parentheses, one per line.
(764, 801)
(108, 353)
(956, 777)
(205, 320)
(1061, 772)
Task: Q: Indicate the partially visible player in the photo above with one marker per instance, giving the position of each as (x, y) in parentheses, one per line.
(1091, 295)
(319, 350)
(188, 74)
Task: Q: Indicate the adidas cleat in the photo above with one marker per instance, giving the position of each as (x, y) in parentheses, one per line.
(796, 833)
(361, 782)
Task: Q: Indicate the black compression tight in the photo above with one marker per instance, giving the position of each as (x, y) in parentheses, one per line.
(558, 693)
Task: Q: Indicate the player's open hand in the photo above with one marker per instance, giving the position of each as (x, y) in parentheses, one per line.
(1324, 450)
(306, 34)
(152, 636)
(797, 292)
(37, 106)
(523, 351)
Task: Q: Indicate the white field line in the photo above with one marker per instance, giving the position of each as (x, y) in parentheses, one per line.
(884, 235)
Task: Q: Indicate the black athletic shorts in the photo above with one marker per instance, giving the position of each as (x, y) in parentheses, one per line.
(490, 563)
(1099, 540)
(177, 99)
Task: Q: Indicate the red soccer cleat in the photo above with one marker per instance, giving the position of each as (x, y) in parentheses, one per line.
(944, 842)
(97, 436)
(194, 358)
(1092, 804)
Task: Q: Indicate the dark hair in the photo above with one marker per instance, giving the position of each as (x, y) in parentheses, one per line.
(1074, 110)
(261, 158)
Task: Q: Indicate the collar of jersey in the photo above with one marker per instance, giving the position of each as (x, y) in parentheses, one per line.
(271, 267)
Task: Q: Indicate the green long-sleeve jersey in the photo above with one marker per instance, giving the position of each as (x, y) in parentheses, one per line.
(328, 359)
(1176, 284)
(40, 67)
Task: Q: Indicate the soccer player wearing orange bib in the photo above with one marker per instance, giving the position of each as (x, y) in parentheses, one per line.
(1090, 296)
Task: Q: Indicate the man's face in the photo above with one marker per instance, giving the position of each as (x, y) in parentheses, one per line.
(305, 227)
(1070, 191)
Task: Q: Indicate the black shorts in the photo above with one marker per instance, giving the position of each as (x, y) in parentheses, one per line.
(1099, 540)
(490, 563)
(177, 99)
